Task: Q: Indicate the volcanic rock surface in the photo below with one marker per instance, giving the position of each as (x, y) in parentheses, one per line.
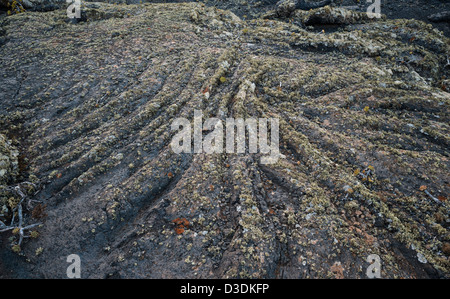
(364, 136)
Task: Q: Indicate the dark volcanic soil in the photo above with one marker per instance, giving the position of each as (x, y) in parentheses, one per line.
(417, 9)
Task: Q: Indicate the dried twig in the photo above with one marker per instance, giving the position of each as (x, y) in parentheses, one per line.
(432, 197)
(18, 191)
(19, 226)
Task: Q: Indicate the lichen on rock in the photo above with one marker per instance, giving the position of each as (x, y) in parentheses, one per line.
(363, 124)
(9, 171)
(9, 164)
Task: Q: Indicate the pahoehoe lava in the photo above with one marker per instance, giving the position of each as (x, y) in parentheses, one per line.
(364, 126)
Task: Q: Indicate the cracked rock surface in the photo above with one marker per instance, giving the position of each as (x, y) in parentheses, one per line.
(364, 127)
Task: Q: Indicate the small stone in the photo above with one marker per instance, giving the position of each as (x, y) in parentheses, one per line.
(309, 216)
(421, 258)
(446, 249)
(348, 189)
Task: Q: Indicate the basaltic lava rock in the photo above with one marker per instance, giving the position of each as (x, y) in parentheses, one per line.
(363, 124)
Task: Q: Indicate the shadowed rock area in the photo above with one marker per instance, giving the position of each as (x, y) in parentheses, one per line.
(364, 136)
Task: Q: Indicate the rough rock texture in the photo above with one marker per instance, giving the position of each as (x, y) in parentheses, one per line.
(284, 8)
(34, 4)
(9, 170)
(8, 161)
(443, 16)
(364, 127)
(432, 11)
(324, 16)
